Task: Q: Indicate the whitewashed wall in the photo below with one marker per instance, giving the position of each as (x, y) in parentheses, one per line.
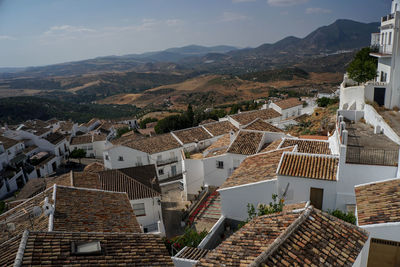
(193, 176)
(130, 157)
(350, 95)
(152, 208)
(234, 200)
(373, 118)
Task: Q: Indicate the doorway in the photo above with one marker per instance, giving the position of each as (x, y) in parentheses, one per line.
(379, 95)
(384, 253)
(316, 197)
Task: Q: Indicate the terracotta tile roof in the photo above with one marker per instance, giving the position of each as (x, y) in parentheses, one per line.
(378, 202)
(137, 182)
(245, 118)
(256, 168)
(117, 249)
(154, 144)
(192, 135)
(220, 127)
(85, 180)
(55, 138)
(66, 126)
(307, 238)
(99, 137)
(260, 125)
(309, 166)
(32, 188)
(94, 167)
(192, 253)
(19, 215)
(219, 147)
(308, 146)
(89, 123)
(246, 143)
(127, 137)
(64, 180)
(207, 121)
(8, 251)
(314, 137)
(272, 146)
(8, 142)
(82, 139)
(288, 103)
(88, 210)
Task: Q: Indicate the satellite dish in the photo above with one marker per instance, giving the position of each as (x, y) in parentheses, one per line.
(36, 211)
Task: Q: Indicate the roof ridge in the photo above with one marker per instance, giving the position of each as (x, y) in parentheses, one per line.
(282, 237)
(137, 181)
(21, 249)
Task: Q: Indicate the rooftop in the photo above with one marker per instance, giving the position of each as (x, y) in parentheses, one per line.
(245, 118)
(219, 147)
(94, 167)
(152, 145)
(292, 238)
(246, 143)
(190, 253)
(288, 103)
(378, 202)
(308, 146)
(55, 138)
(55, 249)
(192, 135)
(256, 168)
(260, 125)
(220, 127)
(309, 166)
(8, 142)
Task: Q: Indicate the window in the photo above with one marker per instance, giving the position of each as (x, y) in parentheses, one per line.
(90, 147)
(139, 161)
(390, 38)
(107, 157)
(160, 171)
(220, 164)
(120, 158)
(159, 158)
(90, 248)
(139, 209)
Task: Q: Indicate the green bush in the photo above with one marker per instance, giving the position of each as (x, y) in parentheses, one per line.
(145, 121)
(347, 217)
(364, 67)
(324, 101)
(190, 238)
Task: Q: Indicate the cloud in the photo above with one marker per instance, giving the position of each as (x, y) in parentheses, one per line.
(243, 1)
(230, 16)
(317, 10)
(63, 29)
(286, 2)
(7, 37)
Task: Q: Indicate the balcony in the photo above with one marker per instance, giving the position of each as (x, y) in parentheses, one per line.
(167, 161)
(383, 51)
(387, 18)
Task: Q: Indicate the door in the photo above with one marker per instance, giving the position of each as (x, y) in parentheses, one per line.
(379, 96)
(173, 170)
(316, 197)
(384, 253)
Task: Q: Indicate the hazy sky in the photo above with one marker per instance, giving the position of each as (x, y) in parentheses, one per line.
(38, 32)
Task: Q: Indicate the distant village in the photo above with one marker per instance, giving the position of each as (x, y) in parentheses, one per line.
(240, 191)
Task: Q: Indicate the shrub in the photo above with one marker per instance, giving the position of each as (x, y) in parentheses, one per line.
(345, 216)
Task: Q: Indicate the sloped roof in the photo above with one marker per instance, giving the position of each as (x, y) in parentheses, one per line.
(155, 144)
(220, 127)
(309, 166)
(8, 142)
(256, 168)
(260, 125)
(245, 118)
(81, 139)
(191, 253)
(308, 146)
(219, 147)
(8, 251)
(288, 103)
(307, 238)
(192, 135)
(94, 167)
(138, 182)
(378, 202)
(246, 143)
(272, 146)
(55, 138)
(132, 249)
(88, 210)
(85, 180)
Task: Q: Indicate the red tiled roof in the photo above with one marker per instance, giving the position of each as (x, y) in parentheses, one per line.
(246, 143)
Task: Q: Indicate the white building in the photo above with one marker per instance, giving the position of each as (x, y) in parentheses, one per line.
(290, 107)
(162, 150)
(93, 144)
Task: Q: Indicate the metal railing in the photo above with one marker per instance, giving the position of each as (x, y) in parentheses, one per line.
(388, 17)
(359, 155)
(386, 49)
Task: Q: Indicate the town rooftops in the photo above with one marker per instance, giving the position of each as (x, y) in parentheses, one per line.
(288, 103)
(87, 139)
(246, 143)
(306, 238)
(312, 166)
(245, 118)
(378, 202)
(260, 125)
(8, 142)
(75, 210)
(154, 144)
(219, 147)
(89, 123)
(138, 182)
(220, 127)
(55, 138)
(308, 146)
(66, 126)
(94, 167)
(192, 135)
(63, 248)
(257, 168)
(193, 254)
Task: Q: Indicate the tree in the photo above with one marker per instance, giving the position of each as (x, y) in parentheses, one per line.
(122, 131)
(347, 217)
(363, 68)
(78, 154)
(145, 121)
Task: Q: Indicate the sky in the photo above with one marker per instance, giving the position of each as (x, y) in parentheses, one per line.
(42, 32)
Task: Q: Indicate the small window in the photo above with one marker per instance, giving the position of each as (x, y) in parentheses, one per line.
(390, 38)
(139, 161)
(120, 158)
(107, 157)
(90, 248)
(139, 209)
(220, 164)
(160, 171)
(90, 147)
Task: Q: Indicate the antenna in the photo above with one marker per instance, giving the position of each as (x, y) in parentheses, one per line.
(286, 190)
